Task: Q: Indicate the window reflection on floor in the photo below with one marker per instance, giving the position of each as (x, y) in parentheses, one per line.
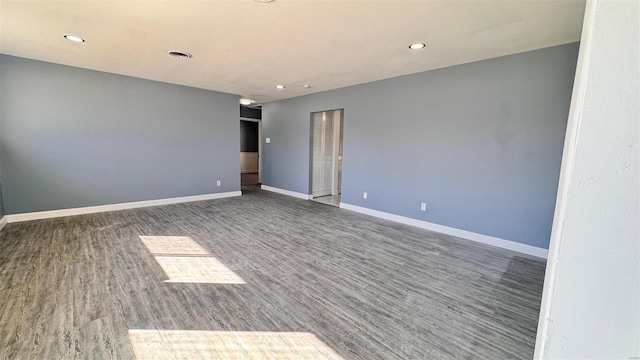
(185, 261)
(173, 245)
(193, 344)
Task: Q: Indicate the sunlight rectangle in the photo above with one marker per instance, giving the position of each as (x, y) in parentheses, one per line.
(172, 245)
(185, 261)
(194, 344)
(206, 270)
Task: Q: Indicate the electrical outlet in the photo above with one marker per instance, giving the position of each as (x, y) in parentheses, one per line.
(423, 206)
(218, 183)
(364, 196)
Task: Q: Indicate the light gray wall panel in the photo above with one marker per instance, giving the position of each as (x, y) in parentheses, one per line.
(591, 300)
(75, 137)
(480, 143)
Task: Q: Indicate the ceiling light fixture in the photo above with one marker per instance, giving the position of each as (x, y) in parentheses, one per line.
(244, 101)
(417, 46)
(180, 54)
(280, 87)
(263, 1)
(307, 86)
(74, 38)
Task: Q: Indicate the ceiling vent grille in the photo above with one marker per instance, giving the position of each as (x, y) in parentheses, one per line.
(180, 54)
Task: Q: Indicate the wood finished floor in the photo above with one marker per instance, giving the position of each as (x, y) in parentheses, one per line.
(367, 288)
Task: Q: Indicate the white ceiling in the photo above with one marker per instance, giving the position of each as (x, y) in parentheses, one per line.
(245, 47)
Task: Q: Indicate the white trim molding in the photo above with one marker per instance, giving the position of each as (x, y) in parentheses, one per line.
(484, 239)
(286, 192)
(577, 105)
(114, 207)
(3, 222)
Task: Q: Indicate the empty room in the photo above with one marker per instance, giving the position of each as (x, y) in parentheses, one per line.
(281, 179)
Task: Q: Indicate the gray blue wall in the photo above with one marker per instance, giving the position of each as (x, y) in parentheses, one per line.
(73, 137)
(480, 143)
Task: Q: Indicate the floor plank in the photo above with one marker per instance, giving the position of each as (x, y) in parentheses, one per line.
(85, 286)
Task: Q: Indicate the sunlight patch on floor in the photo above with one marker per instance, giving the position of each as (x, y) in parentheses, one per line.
(173, 245)
(185, 261)
(206, 270)
(194, 344)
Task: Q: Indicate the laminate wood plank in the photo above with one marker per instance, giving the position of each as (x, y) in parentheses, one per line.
(80, 287)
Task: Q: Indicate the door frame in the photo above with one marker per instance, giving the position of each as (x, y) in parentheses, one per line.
(259, 121)
(341, 139)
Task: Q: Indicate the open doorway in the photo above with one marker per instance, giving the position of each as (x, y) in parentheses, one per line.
(326, 160)
(250, 149)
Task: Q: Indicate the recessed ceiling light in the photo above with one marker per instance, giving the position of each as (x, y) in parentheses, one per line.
(263, 1)
(246, 101)
(74, 38)
(280, 87)
(416, 46)
(307, 86)
(180, 54)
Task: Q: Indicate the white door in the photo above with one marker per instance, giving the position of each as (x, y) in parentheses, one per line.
(326, 134)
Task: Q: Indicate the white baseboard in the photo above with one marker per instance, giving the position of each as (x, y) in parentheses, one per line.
(485, 239)
(114, 207)
(286, 192)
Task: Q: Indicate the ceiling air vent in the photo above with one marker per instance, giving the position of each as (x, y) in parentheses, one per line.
(180, 54)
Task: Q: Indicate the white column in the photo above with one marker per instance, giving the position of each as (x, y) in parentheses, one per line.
(591, 299)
